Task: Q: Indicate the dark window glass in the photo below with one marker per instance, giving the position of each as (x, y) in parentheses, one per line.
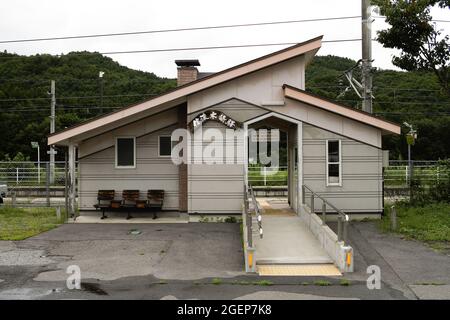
(165, 146)
(125, 152)
(333, 151)
(333, 170)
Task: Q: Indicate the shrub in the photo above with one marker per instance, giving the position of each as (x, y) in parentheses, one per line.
(437, 191)
(230, 219)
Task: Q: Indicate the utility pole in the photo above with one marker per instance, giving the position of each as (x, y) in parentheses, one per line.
(35, 145)
(366, 62)
(100, 75)
(52, 151)
(411, 137)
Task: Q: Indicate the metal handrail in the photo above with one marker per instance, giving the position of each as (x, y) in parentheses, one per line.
(248, 192)
(248, 219)
(257, 211)
(343, 218)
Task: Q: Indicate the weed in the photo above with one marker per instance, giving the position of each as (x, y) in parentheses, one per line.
(345, 282)
(322, 283)
(263, 283)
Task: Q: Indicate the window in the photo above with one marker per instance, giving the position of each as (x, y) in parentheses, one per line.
(334, 168)
(164, 146)
(126, 152)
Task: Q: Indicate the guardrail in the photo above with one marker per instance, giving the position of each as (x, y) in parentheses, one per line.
(343, 218)
(249, 193)
(247, 224)
(257, 211)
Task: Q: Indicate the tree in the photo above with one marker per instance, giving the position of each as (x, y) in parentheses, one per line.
(422, 45)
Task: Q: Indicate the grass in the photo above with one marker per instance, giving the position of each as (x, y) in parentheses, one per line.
(430, 223)
(216, 281)
(22, 223)
(395, 176)
(263, 283)
(322, 283)
(345, 282)
(275, 179)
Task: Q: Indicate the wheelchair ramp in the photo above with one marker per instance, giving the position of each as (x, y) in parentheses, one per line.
(288, 247)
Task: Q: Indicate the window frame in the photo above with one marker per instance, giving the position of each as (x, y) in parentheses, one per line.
(327, 163)
(159, 146)
(117, 150)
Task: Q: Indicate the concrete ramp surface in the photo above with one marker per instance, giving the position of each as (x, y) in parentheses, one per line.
(288, 247)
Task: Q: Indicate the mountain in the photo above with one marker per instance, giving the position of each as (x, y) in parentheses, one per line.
(25, 105)
(415, 97)
(78, 86)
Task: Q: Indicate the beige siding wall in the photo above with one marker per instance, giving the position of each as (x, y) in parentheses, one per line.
(257, 88)
(97, 171)
(329, 121)
(218, 188)
(361, 189)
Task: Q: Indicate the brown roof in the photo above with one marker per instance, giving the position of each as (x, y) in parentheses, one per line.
(337, 108)
(189, 88)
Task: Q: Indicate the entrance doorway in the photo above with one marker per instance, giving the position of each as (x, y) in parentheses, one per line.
(277, 184)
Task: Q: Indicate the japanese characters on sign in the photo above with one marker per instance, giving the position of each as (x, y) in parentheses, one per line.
(214, 116)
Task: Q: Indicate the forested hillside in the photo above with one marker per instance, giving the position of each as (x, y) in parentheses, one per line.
(25, 105)
(415, 97)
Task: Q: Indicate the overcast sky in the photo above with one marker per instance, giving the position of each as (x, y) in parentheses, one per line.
(46, 18)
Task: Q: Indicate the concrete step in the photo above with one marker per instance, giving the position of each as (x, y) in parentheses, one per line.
(327, 270)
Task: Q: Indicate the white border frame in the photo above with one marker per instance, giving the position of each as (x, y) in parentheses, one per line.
(328, 184)
(134, 153)
(159, 149)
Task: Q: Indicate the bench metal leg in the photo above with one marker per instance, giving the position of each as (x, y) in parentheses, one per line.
(104, 216)
(129, 215)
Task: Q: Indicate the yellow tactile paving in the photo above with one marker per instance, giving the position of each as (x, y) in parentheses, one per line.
(299, 270)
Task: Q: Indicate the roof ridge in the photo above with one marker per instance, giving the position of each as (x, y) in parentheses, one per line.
(365, 113)
(208, 77)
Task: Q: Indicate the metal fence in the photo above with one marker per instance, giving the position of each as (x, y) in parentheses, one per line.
(267, 176)
(34, 183)
(396, 175)
(38, 183)
(427, 172)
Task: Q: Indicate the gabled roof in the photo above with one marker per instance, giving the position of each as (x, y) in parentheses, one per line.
(334, 107)
(188, 89)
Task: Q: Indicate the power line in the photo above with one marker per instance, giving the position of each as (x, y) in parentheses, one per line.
(178, 29)
(34, 81)
(194, 48)
(433, 20)
(80, 97)
(77, 108)
(154, 94)
(378, 88)
(102, 35)
(35, 108)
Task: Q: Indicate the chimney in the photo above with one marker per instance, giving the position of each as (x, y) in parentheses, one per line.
(187, 71)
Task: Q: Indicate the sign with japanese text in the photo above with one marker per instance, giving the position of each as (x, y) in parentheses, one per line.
(214, 115)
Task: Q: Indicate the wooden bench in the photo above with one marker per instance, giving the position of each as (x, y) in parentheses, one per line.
(130, 202)
(106, 201)
(155, 201)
